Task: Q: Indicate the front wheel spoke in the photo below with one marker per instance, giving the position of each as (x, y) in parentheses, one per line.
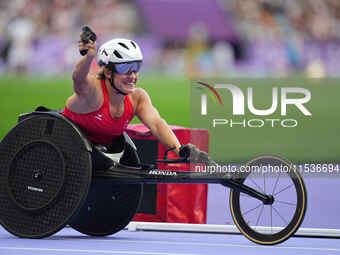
(284, 202)
(280, 215)
(260, 214)
(276, 182)
(252, 209)
(283, 189)
(256, 184)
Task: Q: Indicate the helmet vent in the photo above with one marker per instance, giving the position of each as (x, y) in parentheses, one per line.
(134, 45)
(117, 54)
(123, 45)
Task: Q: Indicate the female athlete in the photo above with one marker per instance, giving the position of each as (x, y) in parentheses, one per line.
(103, 104)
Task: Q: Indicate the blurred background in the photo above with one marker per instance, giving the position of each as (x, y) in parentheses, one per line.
(180, 40)
(179, 37)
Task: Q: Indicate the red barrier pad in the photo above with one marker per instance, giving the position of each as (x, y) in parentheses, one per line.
(182, 203)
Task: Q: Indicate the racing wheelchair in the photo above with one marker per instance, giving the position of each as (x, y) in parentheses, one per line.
(48, 180)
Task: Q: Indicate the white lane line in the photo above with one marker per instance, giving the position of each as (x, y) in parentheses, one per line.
(91, 251)
(198, 243)
(233, 245)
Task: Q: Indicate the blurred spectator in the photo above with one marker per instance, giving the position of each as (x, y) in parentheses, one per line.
(20, 35)
(223, 58)
(197, 50)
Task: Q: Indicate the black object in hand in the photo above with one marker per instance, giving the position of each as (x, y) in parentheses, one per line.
(86, 35)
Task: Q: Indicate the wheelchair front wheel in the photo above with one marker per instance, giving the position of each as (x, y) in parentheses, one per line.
(274, 223)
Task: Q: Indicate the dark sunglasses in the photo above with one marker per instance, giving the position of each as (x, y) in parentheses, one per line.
(126, 68)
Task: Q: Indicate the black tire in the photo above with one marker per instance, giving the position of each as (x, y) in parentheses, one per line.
(102, 216)
(263, 231)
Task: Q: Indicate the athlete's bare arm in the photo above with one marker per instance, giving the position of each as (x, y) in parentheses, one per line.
(151, 118)
(83, 81)
(85, 98)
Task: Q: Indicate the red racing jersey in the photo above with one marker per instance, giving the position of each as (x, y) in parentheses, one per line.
(99, 126)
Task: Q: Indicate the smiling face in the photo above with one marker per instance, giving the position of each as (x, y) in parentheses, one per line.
(124, 82)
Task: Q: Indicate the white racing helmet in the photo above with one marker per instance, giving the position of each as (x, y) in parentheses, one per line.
(119, 51)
